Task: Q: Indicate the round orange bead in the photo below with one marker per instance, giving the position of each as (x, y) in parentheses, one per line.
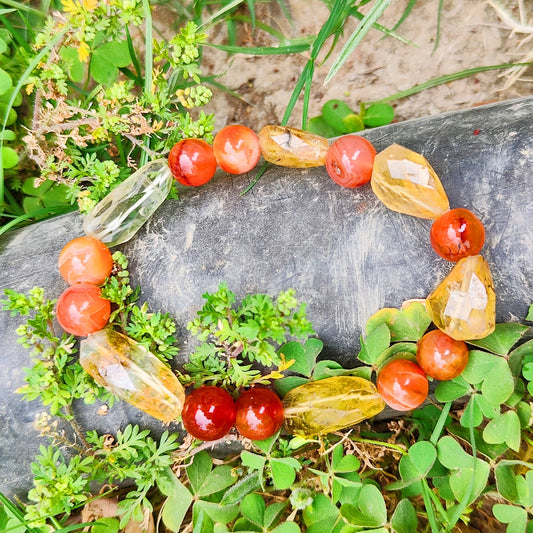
(85, 260)
(237, 149)
(192, 162)
(81, 310)
(457, 234)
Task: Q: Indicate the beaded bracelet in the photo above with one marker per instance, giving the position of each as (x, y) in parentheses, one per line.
(462, 307)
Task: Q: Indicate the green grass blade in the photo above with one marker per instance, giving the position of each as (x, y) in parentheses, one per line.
(262, 50)
(307, 93)
(296, 93)
(251, 7)
(386, 31)
(21, 41)
(260, 172)
(35, 61)
(148, 65)
(437, 431)
(333, 25)
(437, 35)
(220, 12)
(405, 14)
(133, 54)
(445, 79)
(357, 36)
(22, 7)
(56, 210)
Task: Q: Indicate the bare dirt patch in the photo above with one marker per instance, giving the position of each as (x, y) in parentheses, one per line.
(472, 34)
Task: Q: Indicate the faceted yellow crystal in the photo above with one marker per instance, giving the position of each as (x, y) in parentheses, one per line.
(131, 372)
(464, 304)
(331, 404)
(291, 147)
(405, 182)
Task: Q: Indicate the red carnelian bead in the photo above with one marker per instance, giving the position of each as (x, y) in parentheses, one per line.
(350, 160)
(192, 162)
(440, 356)
(208, 413)
(85, 260)
(81, 310)
(402, 385)
(237, 149)
(457, 234)
(259, 414)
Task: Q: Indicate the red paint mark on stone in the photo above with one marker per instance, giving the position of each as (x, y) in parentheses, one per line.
(476, 132)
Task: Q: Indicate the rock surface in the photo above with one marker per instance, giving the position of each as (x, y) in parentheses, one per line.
(342, 250)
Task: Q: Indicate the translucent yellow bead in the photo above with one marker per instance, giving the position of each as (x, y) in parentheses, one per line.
(331, 404)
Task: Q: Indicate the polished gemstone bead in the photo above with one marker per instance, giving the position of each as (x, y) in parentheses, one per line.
(464, 305)
(457, 234)
(331, 404)
(128, 370)
(405, 182)
(192, 162)
(119, 215)
(236, 149)
(291, 147)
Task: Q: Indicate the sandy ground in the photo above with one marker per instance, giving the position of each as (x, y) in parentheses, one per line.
(472, 34)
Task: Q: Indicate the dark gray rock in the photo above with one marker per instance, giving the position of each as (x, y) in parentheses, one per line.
(341, 249)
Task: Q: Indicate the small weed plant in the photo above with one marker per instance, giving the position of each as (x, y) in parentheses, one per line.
(444, 464)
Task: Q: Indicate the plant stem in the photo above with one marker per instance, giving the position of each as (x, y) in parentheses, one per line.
(394, 447)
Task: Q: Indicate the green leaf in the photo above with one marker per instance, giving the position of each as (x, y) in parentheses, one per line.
(217, 512)
(319, 126)
(504, 428)
(498, 385)
(524, 487)
(252, 460)
(422, 454)
(117, 53)
(404, 518)
(321, 508)
(451, 454)
(516, 517)
(287, 527)
(304, 356)
(102, 70)
(406, 324)
(3, 44)
(5, 81)
(221, 477)
(273, 512)
(529, 316)
(353, 123)
(449, 391)
(375, 343)
(334, 112)
(74, 67)
(284, 385)
(326, 369)
(378, 115)
(239, 490)
(199, 469)
(7, 135)
(253, 508)
(178, 501)
(369, 510)
(472, 415)
(505, 481)
(106, 525)
(284, 472)
(10, 158)
(502, 339)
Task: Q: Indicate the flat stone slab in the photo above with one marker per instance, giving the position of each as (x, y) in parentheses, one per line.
(343, 251)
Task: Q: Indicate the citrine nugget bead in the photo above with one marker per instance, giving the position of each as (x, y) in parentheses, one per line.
(464, 305)
(131, 372)
(405, 182)
(457, 234)
(331, 404)
(291, 147)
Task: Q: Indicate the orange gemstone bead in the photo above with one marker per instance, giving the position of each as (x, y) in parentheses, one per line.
(457, 234)
(237, 149)
(85, 260)
(81, 310)
(192, 162)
